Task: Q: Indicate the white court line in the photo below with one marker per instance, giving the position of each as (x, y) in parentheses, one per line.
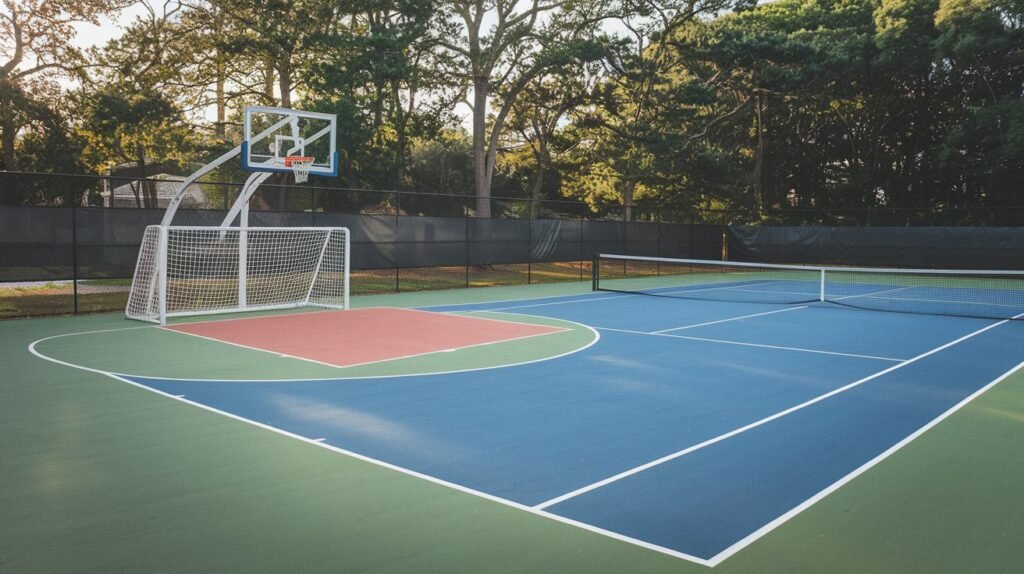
(587, 294)
(870, 294)
(634, 294)
(742, 344)
(409, 356)
(753, 536)
(591, 299)
(532, 510)
(757, 423)
(683, 289)
(966, 303)
(341, 377)
(727, 320)
(383, 464)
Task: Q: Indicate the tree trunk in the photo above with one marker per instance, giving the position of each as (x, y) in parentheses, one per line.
(284, 71)
(542, 153)
(481, 181)
(268, 80)
(628, 187)
(401, 127)
(759, 160)
(148, 189)
(538, 185)
(222, 104)
(7, 136)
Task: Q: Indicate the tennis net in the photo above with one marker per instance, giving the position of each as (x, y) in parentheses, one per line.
(962, 293)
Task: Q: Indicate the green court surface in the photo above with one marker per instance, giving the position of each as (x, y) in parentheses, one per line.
(97, 475)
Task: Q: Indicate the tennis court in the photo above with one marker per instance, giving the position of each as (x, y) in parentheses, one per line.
(747, 419)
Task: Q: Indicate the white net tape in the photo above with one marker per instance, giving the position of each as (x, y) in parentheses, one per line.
(217, 270)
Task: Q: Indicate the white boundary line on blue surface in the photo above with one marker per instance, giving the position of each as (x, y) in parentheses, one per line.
(318, 442)
(759, 345)
(753, 536)
(662, 331)
(669, 457)
(445, 306)
(587, 300)
(539, 509)
(637, 294)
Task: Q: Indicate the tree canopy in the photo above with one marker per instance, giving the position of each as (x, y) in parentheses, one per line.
(681, 105)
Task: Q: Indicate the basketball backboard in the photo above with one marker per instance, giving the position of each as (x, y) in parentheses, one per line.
(272, 134)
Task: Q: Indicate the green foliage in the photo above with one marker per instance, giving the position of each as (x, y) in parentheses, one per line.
(137, 128)
(688, 107)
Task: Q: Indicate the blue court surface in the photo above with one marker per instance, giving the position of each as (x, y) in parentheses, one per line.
(689, 427)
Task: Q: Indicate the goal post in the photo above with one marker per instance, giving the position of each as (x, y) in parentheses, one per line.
(185, 271)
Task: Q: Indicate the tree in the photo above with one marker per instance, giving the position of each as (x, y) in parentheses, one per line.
(274, 35)
(119, 126)
(35, 47)
(496, 49)
(371, 69)
(626, 118)
(535, 120)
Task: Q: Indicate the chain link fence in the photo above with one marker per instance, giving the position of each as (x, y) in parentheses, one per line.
(68, 244)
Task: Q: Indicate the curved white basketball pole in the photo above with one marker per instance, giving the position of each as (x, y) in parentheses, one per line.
(252, 184)
(172, 207)
(250, 187)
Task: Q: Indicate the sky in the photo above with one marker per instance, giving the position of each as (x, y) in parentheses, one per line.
(88, 35)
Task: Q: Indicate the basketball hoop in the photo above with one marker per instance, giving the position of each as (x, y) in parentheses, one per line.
(300, 165)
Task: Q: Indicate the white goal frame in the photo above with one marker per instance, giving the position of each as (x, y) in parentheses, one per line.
(193, 270)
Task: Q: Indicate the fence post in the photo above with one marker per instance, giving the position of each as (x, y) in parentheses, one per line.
(398, 241)
(74, 251)
(579, 243)
(689, 243)
(529, 241)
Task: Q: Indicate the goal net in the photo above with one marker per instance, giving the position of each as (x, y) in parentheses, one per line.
(203, 270)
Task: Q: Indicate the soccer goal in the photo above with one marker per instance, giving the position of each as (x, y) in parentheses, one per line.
(204, 270)
(184, 270)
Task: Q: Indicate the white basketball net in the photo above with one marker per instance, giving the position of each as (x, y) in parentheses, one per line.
(300, 167)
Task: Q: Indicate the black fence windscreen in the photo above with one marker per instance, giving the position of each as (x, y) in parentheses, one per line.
(79, 254)
(70, 243)
(901, 247)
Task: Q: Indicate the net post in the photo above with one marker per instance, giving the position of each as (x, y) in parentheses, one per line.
(243, 267)
(595, 272)
(821, 289)
(161, 282)
(346, 273)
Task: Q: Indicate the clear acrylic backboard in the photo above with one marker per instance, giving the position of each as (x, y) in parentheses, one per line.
(273, 134)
